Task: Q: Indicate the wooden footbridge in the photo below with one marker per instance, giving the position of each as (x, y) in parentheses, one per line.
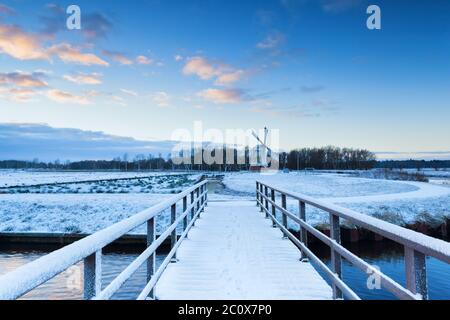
(235, 250)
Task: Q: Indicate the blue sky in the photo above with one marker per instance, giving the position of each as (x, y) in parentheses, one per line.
(312, 69)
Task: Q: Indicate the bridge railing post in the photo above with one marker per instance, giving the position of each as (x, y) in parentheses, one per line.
(266, 193)
(261, 198)
(284, 206)
(202, 197)
(257, 193)
(92, 275)
(151, 237)
(197, 194)
(173, 237)
(185, 220)
(416, 272)
(206, 195)
(336, 259)
(274, 210)
(193, 209)
(303, 233)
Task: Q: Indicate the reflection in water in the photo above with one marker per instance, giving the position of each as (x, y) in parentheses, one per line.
(389, 258)
(386, 255)
(69, 284)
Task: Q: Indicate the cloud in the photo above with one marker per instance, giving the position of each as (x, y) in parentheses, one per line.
(96, 25)
(129, 92)
(119, 100)
(144, 60)
(4, 9)
(178, 57)
(200, 67)
(22, 79)
(67, 53)
(272, 41)
(66, 97)
(118, 57)
(229, 78)
(311, 89)
(18, 94)
(21, 45)
(28, 141)
(222, 96)
(162, 99)
(84, 78)
(207, 70)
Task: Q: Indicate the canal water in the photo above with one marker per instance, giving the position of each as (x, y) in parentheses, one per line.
(385, 255)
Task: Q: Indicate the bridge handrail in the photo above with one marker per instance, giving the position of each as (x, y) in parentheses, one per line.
(27, 277)
(417, 245)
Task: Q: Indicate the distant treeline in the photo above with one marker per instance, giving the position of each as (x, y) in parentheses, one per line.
(330, 158)
(413, 164)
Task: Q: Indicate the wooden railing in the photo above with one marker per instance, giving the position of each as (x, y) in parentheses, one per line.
(26, 278)
(417, 246)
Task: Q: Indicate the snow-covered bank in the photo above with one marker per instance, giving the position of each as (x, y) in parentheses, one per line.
(400, 202)
(319, 185)
(68, 213)
(28, 177)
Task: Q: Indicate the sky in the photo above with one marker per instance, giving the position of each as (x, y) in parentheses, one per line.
(140, 70)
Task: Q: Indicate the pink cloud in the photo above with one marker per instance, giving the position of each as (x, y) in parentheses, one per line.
(207, 70)
(222, 96)
(143, 60)
(84, 78)
(66, 97)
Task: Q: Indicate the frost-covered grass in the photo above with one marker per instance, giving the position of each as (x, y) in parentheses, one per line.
(84, 207)
(68, 213)
(172, 183)
(400, 202)
(66, 208)
(318, 185)
(431, 211)
(10, 178)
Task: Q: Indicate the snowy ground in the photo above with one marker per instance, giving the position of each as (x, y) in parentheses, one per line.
(84, 207)
(157, 183)
(400, 202)
(89, 207)
(68, 213)
(10, 178)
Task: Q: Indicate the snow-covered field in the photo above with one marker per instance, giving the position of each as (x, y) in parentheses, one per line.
(89, 207)
(69, 213)
(172, 183)
(83, 207)
(11, 178)
(400, 202)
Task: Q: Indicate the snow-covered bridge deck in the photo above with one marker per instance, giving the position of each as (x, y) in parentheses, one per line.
(233, 252)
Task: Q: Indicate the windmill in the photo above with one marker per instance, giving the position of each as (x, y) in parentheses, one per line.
(262, 151)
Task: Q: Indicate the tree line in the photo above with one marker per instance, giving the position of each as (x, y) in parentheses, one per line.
(232, 159)
(225, 159)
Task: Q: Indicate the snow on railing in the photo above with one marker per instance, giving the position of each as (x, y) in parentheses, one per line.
(417, 246)
(25, 278)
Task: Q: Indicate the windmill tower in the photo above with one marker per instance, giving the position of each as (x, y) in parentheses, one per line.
(262, 152)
